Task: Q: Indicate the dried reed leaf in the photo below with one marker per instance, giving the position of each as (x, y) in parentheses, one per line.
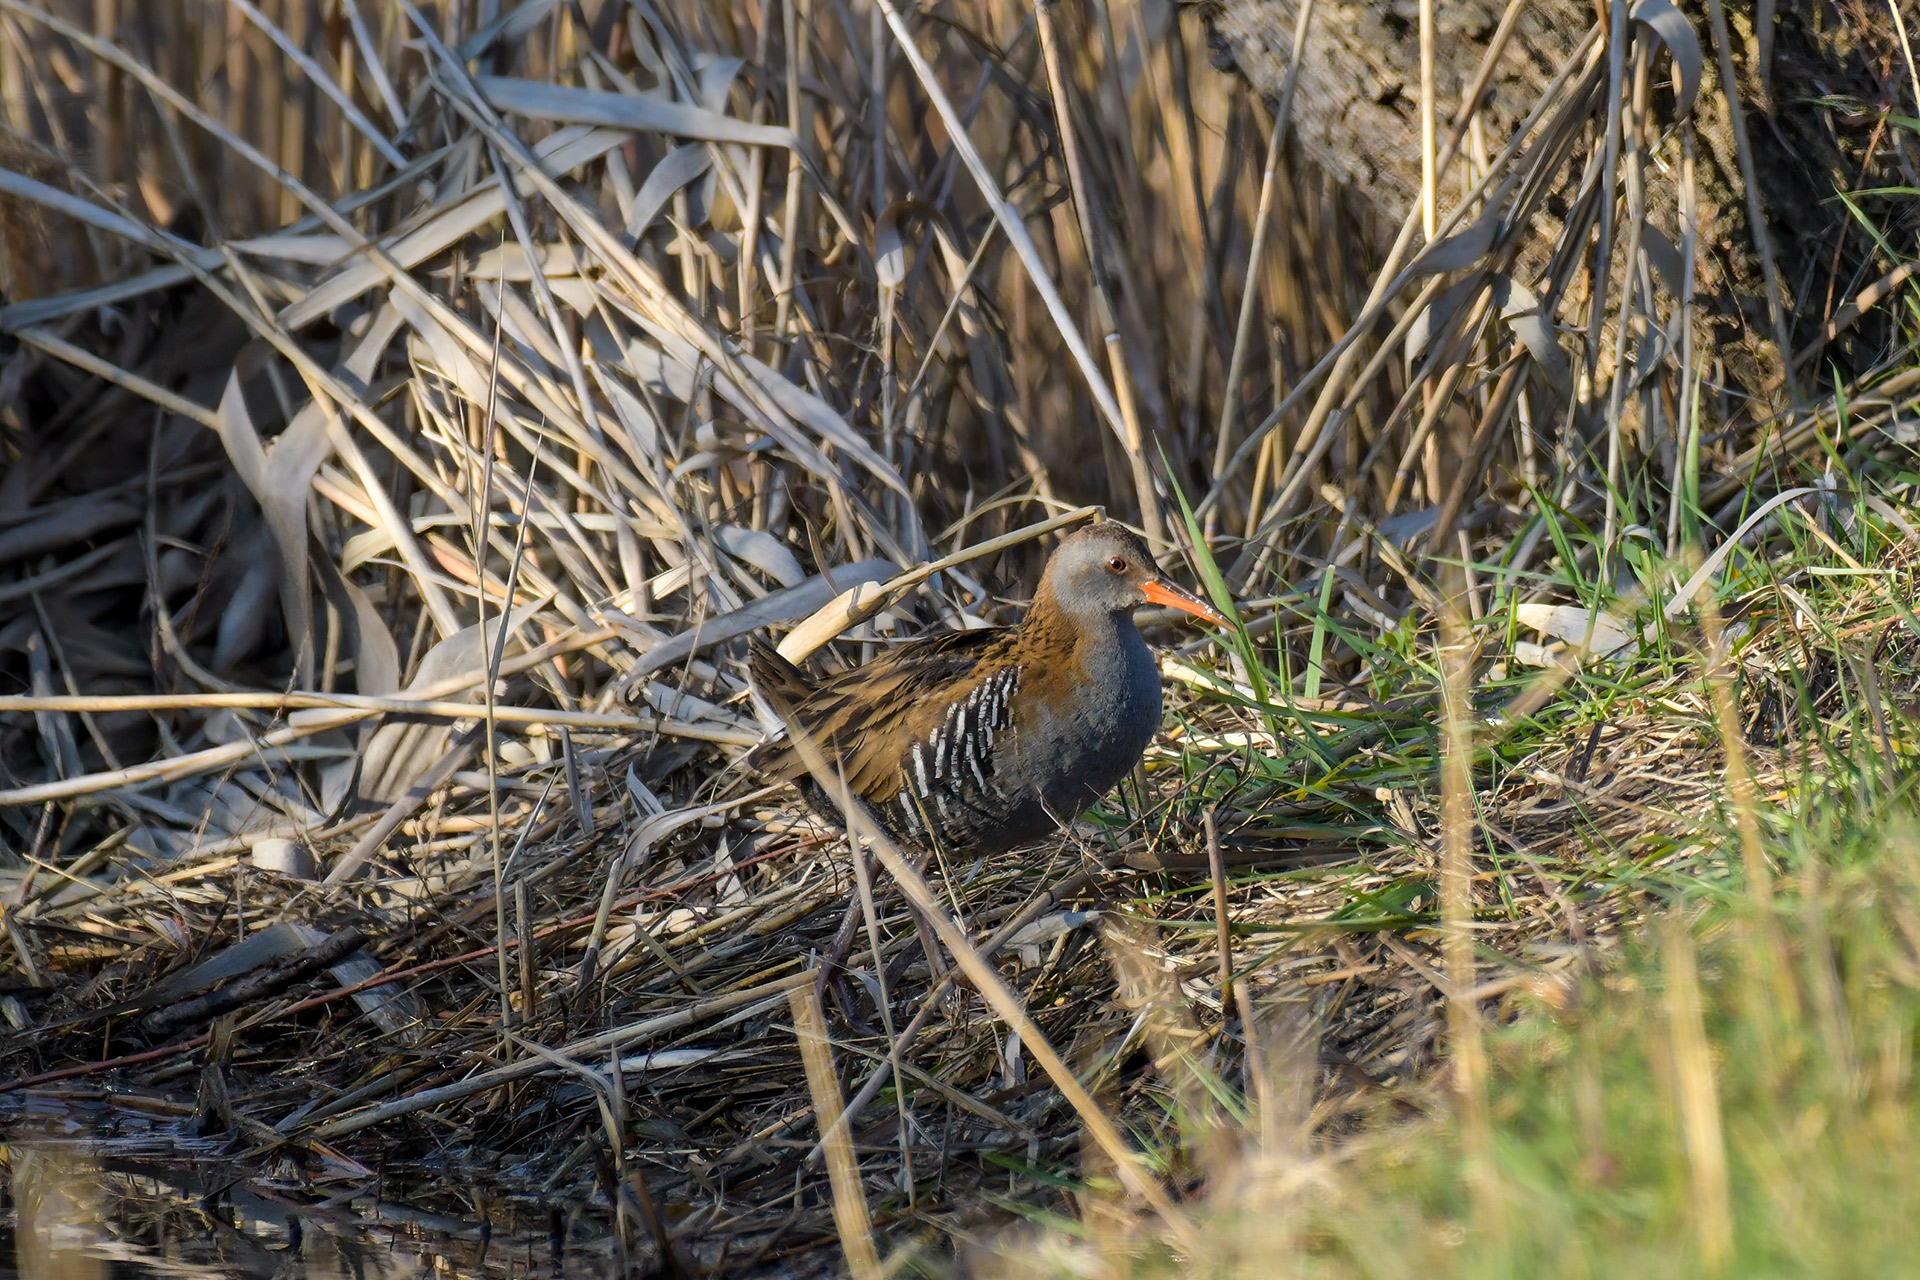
(397, 754)
(780, 606)
(562, 151)
(634, 111)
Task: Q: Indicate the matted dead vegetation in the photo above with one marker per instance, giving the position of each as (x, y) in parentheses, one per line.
(402, 435)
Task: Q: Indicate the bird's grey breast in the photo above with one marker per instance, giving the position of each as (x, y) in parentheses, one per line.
(1095, 739)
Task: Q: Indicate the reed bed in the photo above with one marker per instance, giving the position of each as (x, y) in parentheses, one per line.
(409, 413)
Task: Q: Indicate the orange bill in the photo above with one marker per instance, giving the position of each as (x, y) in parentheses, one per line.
(1162, 591)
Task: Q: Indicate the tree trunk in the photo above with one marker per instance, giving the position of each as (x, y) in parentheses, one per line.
(1816, 84)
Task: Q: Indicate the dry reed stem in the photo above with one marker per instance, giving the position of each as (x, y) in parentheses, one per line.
(843, 1167)
(1014, 227)
(1756, 216)
(552, 717)
(1701, 1125)
(1458, 825)
(1250, 279)
(1095, 248)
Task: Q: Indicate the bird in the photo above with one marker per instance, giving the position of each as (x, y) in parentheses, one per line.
(978, 741)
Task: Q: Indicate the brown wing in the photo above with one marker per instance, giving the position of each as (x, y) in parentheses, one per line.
(866, 718)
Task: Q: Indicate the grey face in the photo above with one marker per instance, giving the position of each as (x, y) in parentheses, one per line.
(1102, 570)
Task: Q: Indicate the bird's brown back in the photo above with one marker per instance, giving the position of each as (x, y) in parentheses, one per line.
(867, 719)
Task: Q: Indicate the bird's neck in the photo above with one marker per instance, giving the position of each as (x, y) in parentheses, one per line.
(1091, 639)
(1097, 673)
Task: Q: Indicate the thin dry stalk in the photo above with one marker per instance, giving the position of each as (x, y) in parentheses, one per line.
(765, 995)
(1756, 216)
(1095, 247)
(1745, 801)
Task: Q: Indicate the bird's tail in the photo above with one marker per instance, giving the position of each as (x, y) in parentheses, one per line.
(778, 686)
(772, 675)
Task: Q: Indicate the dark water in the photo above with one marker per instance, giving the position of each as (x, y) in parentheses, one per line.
(112, 1187)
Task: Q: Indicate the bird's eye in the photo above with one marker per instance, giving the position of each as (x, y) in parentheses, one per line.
(1118, 564)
